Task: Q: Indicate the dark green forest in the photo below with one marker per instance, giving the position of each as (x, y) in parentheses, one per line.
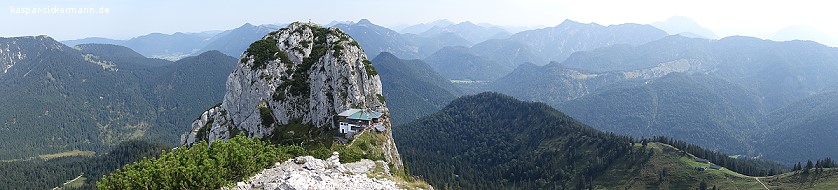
(493, 141)
(412, 88)
(46, 174)
(93, 96)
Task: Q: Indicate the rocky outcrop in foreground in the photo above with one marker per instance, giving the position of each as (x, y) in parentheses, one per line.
(306, 172)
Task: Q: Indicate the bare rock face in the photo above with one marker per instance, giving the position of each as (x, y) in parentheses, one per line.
(306, 172)
(302, 74)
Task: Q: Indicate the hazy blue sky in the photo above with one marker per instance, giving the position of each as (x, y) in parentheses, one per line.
(132, 18)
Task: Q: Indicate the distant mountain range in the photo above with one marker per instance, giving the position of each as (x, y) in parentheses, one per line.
(178, 45)
(422, 27)
(686, 27)
(557, 43)
(157, 45)
(234, 42)
(469, 31)
(376, 39)
(723, 94)
(724, 102)
(492, 59)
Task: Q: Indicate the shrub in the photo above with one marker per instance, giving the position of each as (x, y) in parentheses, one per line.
(200, 166)
(267, 116)
(370, 69)
(263, 51)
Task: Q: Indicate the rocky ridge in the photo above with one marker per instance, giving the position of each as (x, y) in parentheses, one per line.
(306, 172)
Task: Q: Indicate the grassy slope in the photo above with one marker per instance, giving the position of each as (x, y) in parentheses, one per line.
(681, 173)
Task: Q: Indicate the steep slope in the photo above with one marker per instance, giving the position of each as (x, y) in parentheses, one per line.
(781, 72)
(234, 42)
(186, 88)
(557, 43)
(625, 57)
(412, 88)
(507, 52)
(698, 109)
(87, 98)
(52, 82)
(555, 83)
(460, 63)
(803, 129)
(485, 61)
(492, 141)
(296, 80)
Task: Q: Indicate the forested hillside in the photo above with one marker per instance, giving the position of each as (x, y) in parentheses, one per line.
(492, 141)
(805, 128)
(92, 97)
(41, 173)
(696, 108)
(412, 88)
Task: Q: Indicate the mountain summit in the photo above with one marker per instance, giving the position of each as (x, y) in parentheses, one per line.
(297, 77)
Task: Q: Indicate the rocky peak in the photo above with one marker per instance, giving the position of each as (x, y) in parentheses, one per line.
(302, 72)
(302, 75)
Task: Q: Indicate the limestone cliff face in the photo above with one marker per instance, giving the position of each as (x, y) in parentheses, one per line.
(302, 74)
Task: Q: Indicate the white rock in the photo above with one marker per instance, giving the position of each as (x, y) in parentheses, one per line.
(291, 175)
